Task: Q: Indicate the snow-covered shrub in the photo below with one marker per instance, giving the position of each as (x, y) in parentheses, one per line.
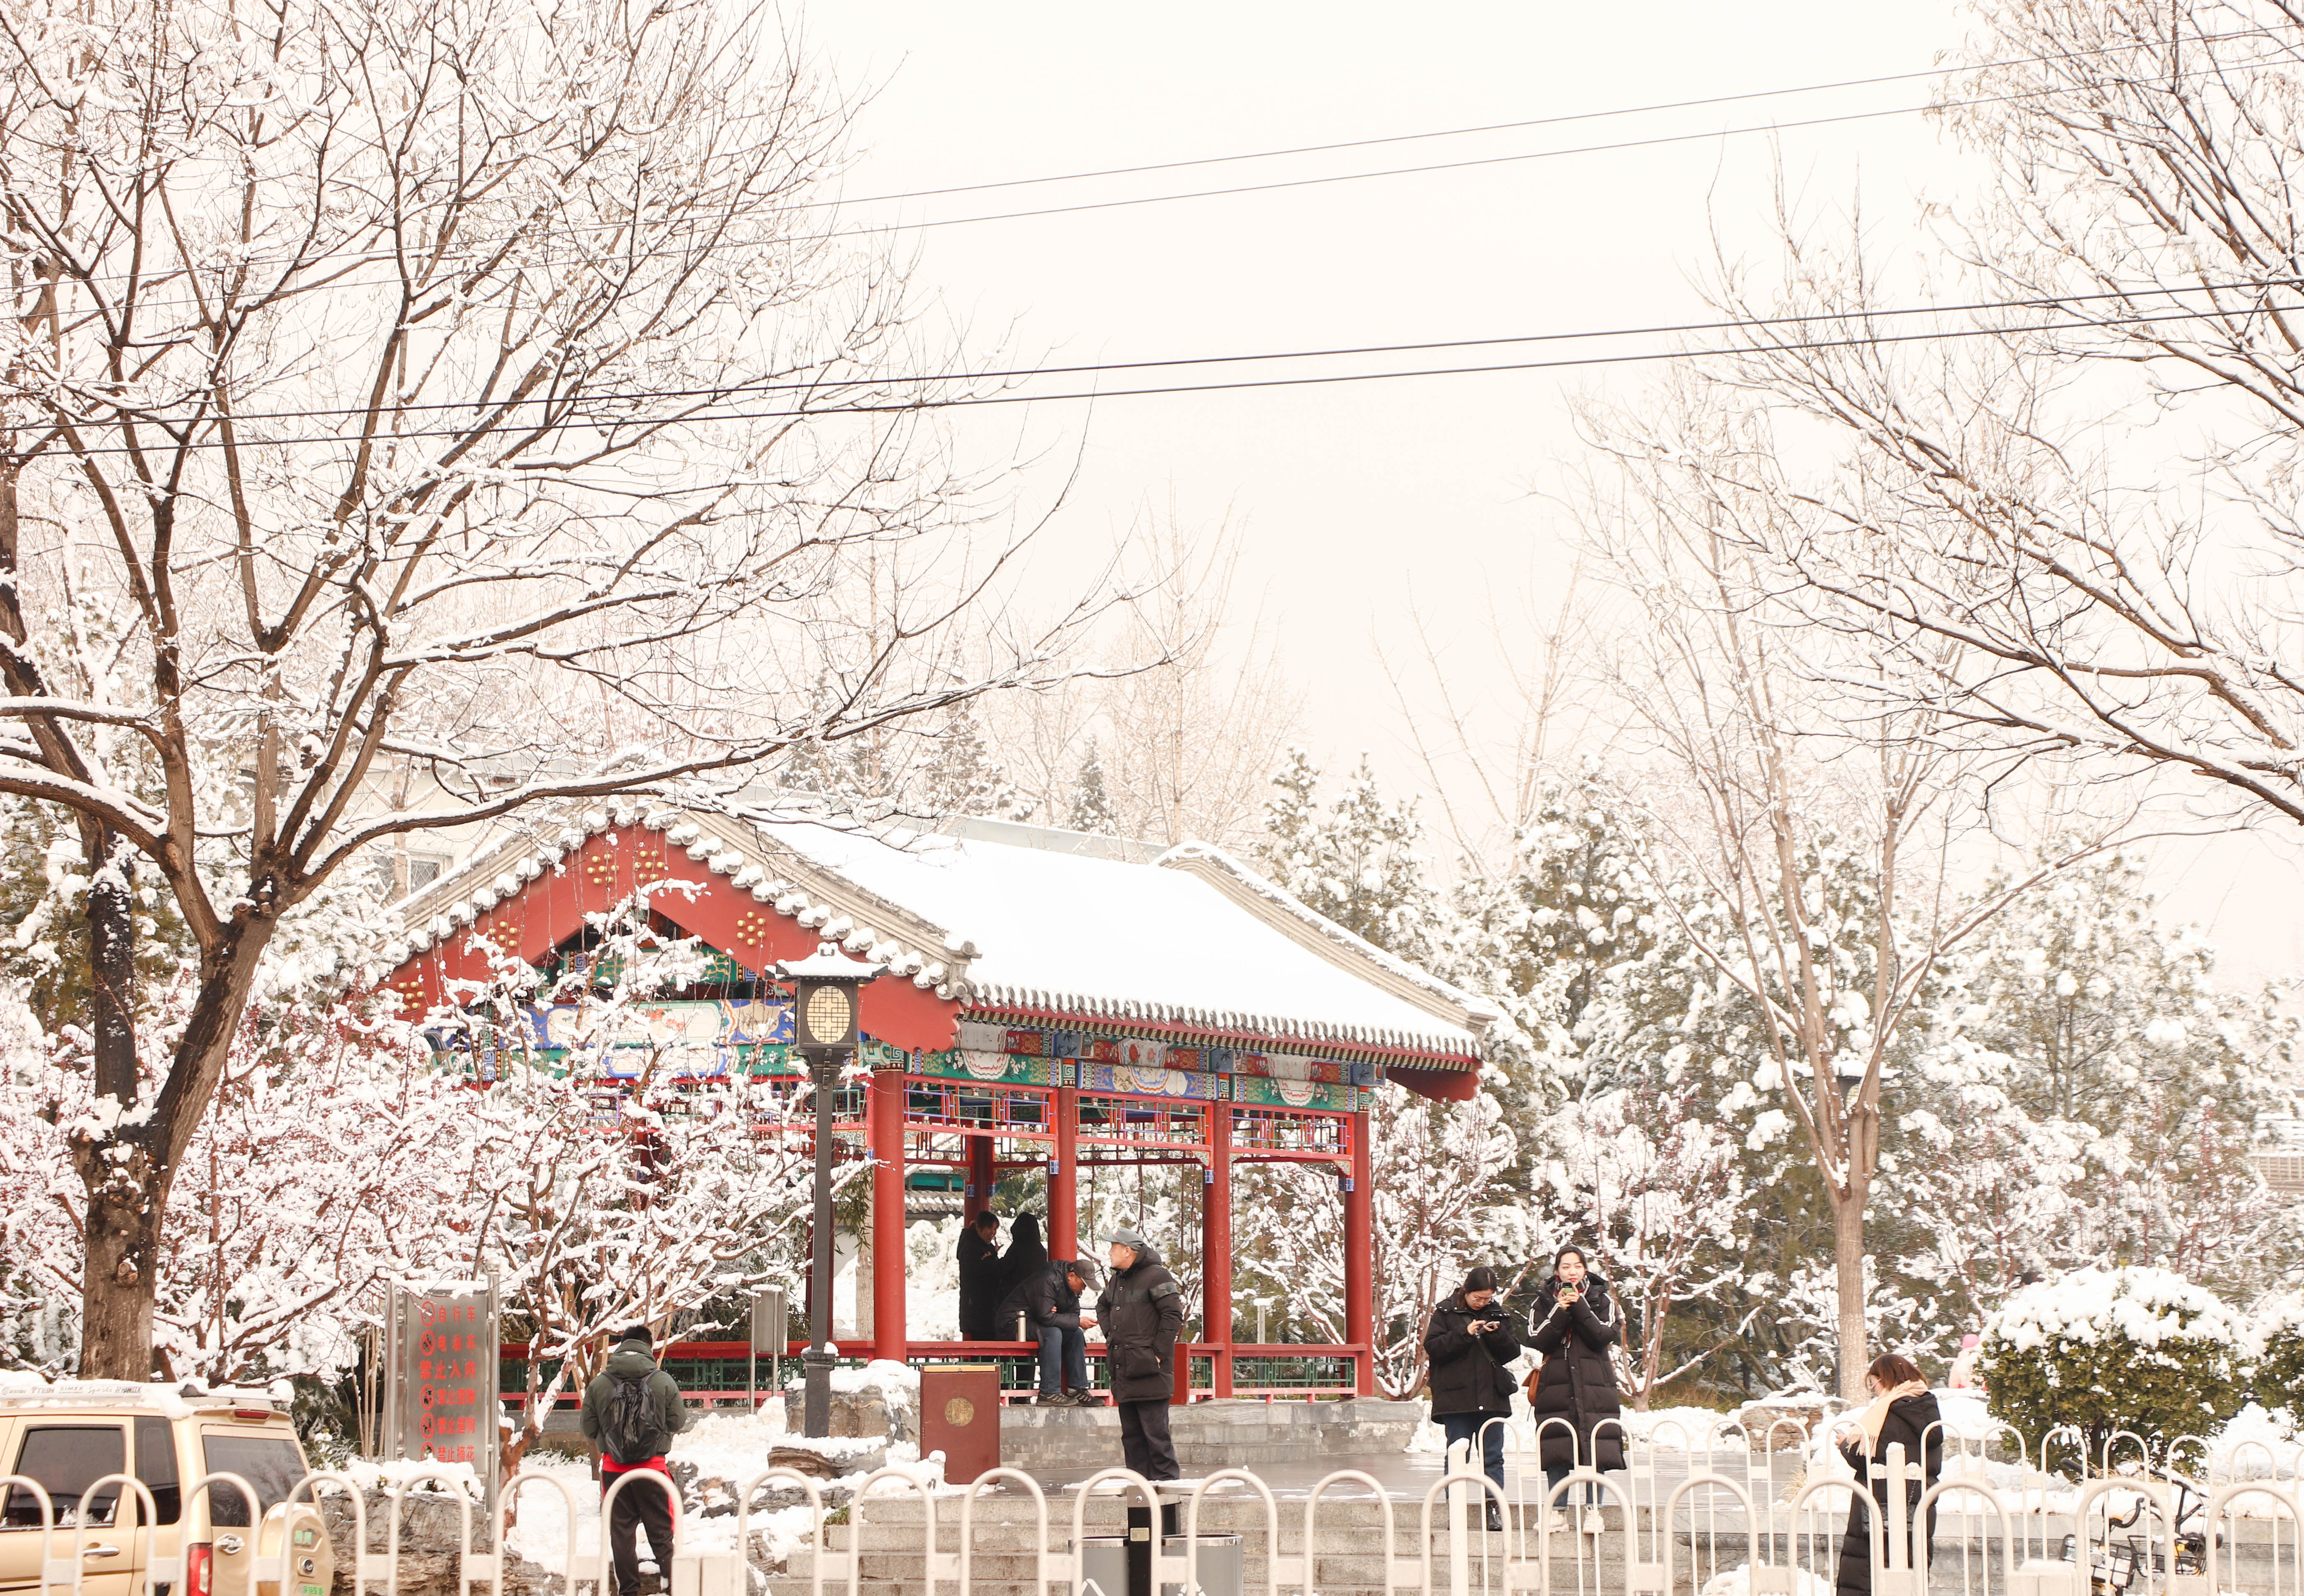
(2136, 1349)
(2280, 1365)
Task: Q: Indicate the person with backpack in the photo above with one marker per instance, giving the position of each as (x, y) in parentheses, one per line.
(632, 1409)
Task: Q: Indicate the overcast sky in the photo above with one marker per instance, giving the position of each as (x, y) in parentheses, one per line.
(1364, 504)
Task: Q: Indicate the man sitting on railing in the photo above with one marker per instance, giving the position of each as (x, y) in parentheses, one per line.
(1046, 1308)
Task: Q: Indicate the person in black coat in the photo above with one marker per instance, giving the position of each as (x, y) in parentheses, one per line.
(1049, 1303)
(1903, 1412)
(1575, 1325)
(1468, 1340)
(1028, 1255)
(1142, 1309)
(980, 1275)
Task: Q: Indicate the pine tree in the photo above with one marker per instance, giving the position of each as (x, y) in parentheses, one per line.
(1091, 807)
(1356, 860)
(960, 777)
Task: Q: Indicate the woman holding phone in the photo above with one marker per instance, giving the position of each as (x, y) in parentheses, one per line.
(1466, 1342)
(1576, 1327)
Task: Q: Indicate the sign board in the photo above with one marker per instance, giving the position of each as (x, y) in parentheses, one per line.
(771, 1320)
(440, 1378)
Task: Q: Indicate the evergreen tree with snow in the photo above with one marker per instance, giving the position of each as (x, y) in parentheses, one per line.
(960, 776)
(1091, 808)
(1358, 859)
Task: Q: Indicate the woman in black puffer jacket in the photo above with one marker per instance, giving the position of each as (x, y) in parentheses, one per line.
(1468, 1340)
(1904, 1412)
(1575, 1324)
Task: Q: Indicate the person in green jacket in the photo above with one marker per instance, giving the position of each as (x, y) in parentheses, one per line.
(633, 1409)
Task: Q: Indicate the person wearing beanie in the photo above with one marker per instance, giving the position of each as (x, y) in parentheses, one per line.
(1142, 1310)
(1466, 1342)
(631, 1411)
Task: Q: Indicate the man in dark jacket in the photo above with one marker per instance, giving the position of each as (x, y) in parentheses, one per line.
(1142, 1309)
(632, 1409)
(1049, 1302)
(979, 1254)
(1467, 1343)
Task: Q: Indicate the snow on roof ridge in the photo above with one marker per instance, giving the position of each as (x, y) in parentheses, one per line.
(1475, 1014)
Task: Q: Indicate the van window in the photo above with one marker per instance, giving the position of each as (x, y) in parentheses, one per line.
(66, 1459)
(156, 1466)
(269, 1462)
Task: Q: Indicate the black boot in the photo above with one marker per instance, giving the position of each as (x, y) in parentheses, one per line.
(1495, 1516)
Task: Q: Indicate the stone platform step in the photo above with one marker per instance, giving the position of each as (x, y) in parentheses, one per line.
(1212, 1435)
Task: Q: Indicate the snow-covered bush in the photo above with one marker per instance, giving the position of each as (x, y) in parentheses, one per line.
(2279, 1363)
(2137, 1349)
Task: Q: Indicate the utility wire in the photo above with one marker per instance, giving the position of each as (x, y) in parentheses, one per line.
(653, 423)
(337, 262)
(731, 390)
(1505, 127)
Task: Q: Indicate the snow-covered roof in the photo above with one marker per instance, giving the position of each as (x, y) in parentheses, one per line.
(1008, 923)
(1194, 937)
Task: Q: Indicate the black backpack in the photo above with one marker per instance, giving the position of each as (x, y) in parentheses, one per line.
(630, 1429)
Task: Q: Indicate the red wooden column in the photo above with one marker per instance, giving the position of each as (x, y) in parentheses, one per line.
(1359, 1257)
(1063, 1200)
(981, 1177)
(1216, 1246)
(884, 1112)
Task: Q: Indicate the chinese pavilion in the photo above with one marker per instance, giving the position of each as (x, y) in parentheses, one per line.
(1053, 1001)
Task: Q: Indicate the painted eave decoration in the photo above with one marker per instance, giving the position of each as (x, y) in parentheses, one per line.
(1193, 946)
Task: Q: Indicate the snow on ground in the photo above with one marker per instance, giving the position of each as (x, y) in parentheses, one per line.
(1738, 1582)
(541, 1535)
(402, 1472)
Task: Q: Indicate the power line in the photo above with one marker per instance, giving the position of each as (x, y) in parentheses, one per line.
(337, 262)
(1093, 394)
(1505, 127)
(1658, 330)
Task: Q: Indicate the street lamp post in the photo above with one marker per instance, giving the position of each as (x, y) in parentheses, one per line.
(825, 990)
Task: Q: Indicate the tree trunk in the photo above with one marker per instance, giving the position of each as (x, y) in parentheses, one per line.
(127, 1171)
(1848, 1258)
(121, 1274)
(117, 1280)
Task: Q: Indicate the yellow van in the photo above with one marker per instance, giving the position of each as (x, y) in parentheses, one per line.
(69, 1435)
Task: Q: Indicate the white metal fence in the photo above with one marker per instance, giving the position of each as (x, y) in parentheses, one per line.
(1726, 1513)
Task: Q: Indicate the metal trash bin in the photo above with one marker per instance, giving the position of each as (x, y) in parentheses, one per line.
(1103, 1565)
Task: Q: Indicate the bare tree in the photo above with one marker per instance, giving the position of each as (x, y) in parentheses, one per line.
(462, 382)
(2095, 502)
(1187, 708)
(1811, 855)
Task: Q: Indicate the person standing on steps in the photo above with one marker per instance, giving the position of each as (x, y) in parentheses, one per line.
(1903, 1412)
(1466, 1342)
(632, 1409)
(1049, 1304)
(1142, 1309)
(978, 1256)
(1576, 1324)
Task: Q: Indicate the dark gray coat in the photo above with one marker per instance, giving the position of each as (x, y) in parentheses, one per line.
(1142, 1312)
